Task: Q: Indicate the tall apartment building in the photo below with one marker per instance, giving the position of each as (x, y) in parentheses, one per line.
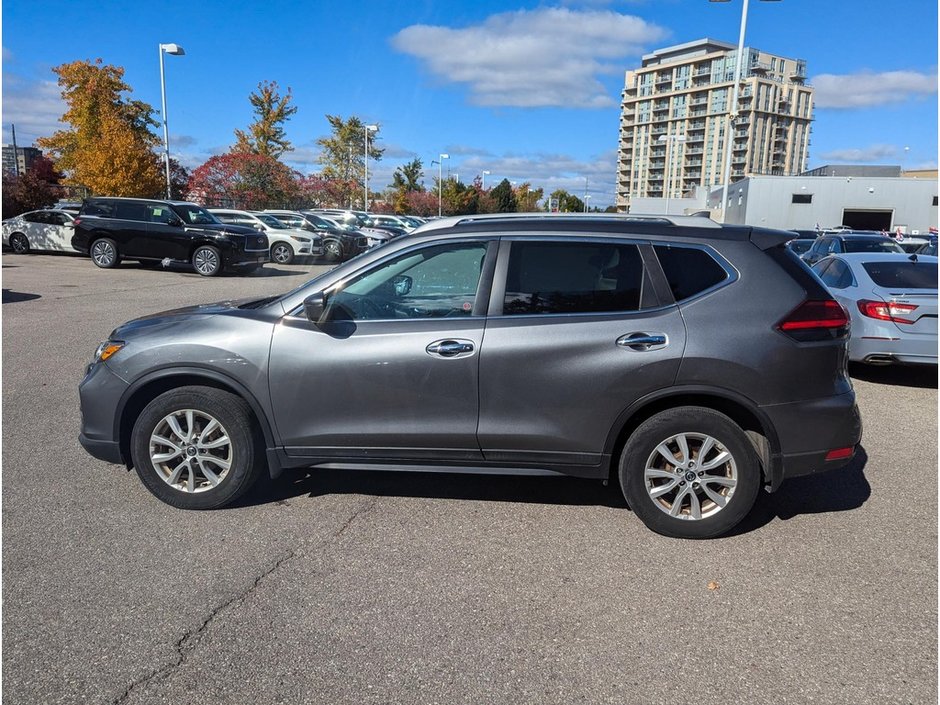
(24, 155)
(675, 113)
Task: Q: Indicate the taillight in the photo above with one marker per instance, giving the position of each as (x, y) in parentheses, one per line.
(816, 320)
(77, 221)
(891, 311)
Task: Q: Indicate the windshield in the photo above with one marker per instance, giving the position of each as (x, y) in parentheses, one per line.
(195, 215)
(270, 221)
(903, 275)
(871, 245)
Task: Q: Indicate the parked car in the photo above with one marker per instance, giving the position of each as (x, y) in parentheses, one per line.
(913, 244)
(49, 229)
(837, 243)
(800, 245)
(285, 243)
(892, 299)
(153, 231)
(600, 360)
(353, 221)
(339, 244)
(382, 220)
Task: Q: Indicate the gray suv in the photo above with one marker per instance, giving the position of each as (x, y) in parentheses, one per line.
(690, 361)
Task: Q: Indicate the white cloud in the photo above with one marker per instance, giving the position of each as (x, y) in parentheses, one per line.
(532, 58)
(35, 108)
(872, 153)
(866, 88)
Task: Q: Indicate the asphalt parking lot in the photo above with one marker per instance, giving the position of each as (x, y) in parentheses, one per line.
(332, 587)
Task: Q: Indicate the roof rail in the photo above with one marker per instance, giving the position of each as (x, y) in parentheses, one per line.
(696, 221)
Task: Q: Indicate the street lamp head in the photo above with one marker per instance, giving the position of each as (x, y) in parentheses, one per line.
(174, 49)
(487, 172)
(372, 128)
(445, 156)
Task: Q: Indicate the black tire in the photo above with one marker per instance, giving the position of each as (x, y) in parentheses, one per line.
(20, 243)
(332, 250)
(207, 261)
(694, 426)
(193, 488)
(104, 253)
(282, 253)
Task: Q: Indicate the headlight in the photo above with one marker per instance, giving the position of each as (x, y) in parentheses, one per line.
(299, 239)
(107, 349)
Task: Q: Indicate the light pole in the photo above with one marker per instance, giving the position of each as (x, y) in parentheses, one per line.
(365, 199)
(669, 139)
(733, 110)
(175, 50)
(587, 197)
(483, 187)
(440, 183)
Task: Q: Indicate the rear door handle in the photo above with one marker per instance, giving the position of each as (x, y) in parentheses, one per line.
(450, 348)
(642, 342)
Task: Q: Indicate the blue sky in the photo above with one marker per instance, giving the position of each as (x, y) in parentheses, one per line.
(528, 91)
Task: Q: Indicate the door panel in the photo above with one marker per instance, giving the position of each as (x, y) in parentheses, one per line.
(372, 389)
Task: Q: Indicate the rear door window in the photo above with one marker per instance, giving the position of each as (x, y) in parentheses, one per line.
(689, 271)
(132, 211)
(572, 277)
(903, 275)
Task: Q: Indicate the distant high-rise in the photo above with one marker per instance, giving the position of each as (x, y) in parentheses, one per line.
(677, 106)
(25, 155)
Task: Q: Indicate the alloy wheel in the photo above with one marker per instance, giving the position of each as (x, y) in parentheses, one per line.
(103, 253)
(206, 261)
(191, 451)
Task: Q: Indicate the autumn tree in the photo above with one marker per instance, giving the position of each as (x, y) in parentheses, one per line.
(567, 203)
(108, 146)
(342, 155)
(266, 135)
(527, 198)
(179, 180)
(36, 188)
(252, 181)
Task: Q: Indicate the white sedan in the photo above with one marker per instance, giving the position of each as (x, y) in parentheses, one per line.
(40, 230)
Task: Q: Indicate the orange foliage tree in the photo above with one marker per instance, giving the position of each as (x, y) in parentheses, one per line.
(108, 146)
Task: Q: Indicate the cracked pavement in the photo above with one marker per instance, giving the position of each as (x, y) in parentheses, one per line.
(332, 587)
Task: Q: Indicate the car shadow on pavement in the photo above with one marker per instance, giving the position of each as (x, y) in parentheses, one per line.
(923, 376)
(837, 490)
(314, 482)
(13, 297)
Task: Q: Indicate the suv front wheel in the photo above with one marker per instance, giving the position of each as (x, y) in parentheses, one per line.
(194, 448)
(690, 472)
(207, 261)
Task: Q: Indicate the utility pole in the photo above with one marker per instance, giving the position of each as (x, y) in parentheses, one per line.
(16, 154)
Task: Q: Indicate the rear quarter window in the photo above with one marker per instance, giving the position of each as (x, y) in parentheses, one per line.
(903, 275)
(689, 271)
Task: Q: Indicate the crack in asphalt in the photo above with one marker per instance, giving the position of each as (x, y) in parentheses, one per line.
(187, 643)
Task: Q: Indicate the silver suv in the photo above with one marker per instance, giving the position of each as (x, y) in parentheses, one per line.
(691, 362)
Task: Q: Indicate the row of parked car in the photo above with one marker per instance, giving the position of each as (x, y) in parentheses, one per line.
(212, 240)
(888, 287)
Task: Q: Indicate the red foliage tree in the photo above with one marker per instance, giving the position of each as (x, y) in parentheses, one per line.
(250, 181)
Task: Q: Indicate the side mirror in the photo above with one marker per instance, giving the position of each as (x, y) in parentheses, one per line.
(314, 306)
(258, 226)
(402, 284)
(176, 222)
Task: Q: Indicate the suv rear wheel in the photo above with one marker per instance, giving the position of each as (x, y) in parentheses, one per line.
(207, 261)
(690, 472)
(194, 448)
(104, 253)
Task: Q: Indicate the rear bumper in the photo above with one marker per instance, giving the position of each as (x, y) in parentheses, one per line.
(883, 350)
(808, 430)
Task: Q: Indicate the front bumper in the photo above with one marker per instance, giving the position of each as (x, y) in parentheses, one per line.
(99, 394)
(807, 431)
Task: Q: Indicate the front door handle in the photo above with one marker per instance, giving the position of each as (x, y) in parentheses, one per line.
(450, 348)
(641, 342)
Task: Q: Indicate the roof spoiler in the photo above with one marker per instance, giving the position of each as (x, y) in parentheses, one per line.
(766, 238)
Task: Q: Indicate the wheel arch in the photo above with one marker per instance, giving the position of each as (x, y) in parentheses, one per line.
(148, 388)
(739, 409)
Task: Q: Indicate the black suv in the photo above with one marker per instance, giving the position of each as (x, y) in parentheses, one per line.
(151, 230)
(690, 361)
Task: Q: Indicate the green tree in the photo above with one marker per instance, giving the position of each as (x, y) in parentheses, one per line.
(266, 135)
(527, 198)
(567, 203)
(342, 154)
(108, 146)
(405, 180)
(504, 200)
